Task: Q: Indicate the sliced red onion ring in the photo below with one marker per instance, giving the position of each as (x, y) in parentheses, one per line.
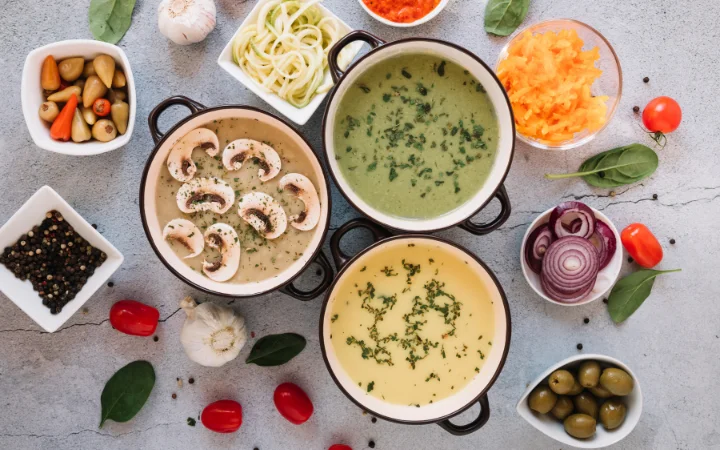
(604, 241)
(569, 269)
(563, 220)
(536, 246)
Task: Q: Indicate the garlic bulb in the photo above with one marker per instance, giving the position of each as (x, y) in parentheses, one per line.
(186, 21)
(212, 334)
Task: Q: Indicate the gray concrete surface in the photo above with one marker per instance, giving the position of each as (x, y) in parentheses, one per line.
(50, 384)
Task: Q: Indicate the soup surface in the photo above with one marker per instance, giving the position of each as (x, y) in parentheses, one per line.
(260, 258)
(411, 324)
(415, 136)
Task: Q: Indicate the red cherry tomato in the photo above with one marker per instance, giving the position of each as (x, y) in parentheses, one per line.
(642, 245)
(293, 403)
(223, 416)
(135, 318)
(340, 447)
(662, 114)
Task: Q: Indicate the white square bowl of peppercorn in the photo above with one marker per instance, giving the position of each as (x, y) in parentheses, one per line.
(52, 260)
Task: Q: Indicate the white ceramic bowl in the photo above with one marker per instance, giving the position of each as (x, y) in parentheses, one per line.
(32, 95)
(298, 115)
(21, 293)
(603, 438)
(606, 277)
(426, 18)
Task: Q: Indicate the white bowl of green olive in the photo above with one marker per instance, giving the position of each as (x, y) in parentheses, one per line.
(586, 401)
(54, 72)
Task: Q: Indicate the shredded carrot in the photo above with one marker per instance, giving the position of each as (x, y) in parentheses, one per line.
(548, 78)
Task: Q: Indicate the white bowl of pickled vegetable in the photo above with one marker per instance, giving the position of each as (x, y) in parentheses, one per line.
(89, 133)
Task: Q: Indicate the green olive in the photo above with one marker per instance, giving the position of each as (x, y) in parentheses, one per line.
(600, 392)
(617, 381)
(585, 403)
(589, 374)
(561, 382)
(612, 413)
(542, 399)
(563, 407)
(104, 130)
(580, 426)
(576, 389)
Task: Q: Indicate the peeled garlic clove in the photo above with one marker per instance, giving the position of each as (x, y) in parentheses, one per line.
(186, 21)
(212, 335)
(104, 67)
(93, 90)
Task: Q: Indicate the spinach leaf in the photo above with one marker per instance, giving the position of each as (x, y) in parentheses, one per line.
(616, 167)
(110, 19)
(126, 392)
(630, 292)
(502, 17)
(276, 349)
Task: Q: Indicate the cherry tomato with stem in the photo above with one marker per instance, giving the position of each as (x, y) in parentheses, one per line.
(222, 416)
(293, 403)
(642, 245)
(340, 447)
(134, 318)
(661, 116)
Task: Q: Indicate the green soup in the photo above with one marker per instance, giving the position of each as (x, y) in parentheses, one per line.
(416, 136)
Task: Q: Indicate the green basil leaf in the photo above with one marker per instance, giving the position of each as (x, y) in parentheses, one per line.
(276, 349)
(616, 167)
(629, 293)
(110, 19)
(126, 392)
(502, 17)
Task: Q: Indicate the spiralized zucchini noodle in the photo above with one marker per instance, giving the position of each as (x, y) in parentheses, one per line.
(285, 50)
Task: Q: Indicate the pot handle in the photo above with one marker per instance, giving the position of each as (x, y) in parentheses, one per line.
(154, 116)
(463, 430)
(340, 257)
(480, 229)
(327, 278)
(357, 35)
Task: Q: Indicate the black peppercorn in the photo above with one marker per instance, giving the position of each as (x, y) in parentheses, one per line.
(630, 260)
(371, 444)
(672, 241)
(579, 346)
(655, 196)
(373, 420)
(110, 284)
(646, 80)
(636, 109)
(155, 338)
(191, 380)
(586, 320)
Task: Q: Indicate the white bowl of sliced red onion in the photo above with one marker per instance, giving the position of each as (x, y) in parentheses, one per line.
(571, 254)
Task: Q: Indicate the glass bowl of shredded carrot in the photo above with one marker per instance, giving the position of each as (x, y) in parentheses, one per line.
(564, 82)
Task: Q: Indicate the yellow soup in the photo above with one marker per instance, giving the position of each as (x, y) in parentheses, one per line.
(411, 323)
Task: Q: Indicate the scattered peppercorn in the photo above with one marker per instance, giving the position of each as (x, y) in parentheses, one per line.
(55, 259)
(586, 320)
(191, 380)
(605, 300)
(191, 421)
(371, 444)
(646, 80)
(579, 346)
(630, 260)
(94, 226)
(672, 241)
(373, 420)
(174, 396)
(636, 109)
(155, 338)
(655, 196)
(110, 284)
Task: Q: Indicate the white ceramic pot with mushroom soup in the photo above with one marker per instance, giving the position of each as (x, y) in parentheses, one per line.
(415, 329)
(419, 134)
(234, 201)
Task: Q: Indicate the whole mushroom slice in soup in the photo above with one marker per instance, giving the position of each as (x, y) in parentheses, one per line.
(205, 194)
(300, 186)
(186, 233)
(180, 163)
(223, 238)
(264, 214)
(241, 150)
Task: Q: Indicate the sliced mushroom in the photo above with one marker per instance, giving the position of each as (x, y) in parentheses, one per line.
(241, 150)
(180, 163)
(222, 237)
(186, 233)
(301, 187)
(205, 194)
(264, 214)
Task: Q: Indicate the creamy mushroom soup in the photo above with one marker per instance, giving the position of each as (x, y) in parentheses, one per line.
(210, 195)
(411, 323)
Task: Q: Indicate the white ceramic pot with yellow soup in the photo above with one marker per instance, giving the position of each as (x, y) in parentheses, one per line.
(234, 201)
(419, 134)
(414, 329)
